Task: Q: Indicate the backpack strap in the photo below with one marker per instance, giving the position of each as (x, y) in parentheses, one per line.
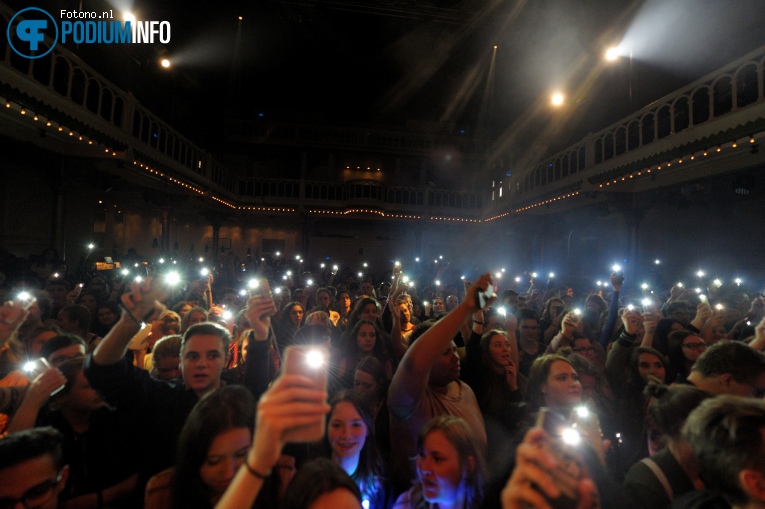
(656, 469)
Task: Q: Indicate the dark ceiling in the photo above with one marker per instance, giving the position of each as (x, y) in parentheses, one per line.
(392, 62)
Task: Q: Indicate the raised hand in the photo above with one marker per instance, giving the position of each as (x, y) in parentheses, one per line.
(12, 315)
(632, 321)
(144, 300)
(259, 311)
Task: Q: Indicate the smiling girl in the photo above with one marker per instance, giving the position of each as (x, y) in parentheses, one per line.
(350, 434)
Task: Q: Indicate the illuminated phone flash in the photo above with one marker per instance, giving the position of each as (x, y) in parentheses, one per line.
(30, 366)
(630, 307)
(552, 274)
(577, 311)
(502, 311)
(334, 267)
(24, 296)
(533, 274)
(173, 278)
(322, 265)
(719, 307)
(314, 358)
(138, 279)
(582, 411)
(309, 282)
(679, 285)
(570, 436)
(616, 267)
(278, 291)
(644, 286)
(228, 315)
(125, 272)
(646, 302)
(205, 272)
(242, 293)
(253, 284)
(411, 284)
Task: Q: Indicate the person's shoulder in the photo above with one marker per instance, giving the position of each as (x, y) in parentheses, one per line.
(404, 501)
(159, 493)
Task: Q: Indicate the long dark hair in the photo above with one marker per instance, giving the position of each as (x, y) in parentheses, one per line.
(358, 307)
(285, 319)
(315, 478)
(350, 347)
(369, 473)
(229, 407)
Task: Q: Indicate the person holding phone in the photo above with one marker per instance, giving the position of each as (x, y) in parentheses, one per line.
(293, 409)
(426, 384)
(163, 408)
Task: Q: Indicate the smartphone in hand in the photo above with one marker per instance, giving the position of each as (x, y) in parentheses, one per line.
(310, 361)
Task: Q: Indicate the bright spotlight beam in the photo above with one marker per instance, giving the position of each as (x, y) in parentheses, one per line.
(612, 54)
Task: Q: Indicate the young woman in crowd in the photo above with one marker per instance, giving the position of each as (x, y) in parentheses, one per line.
(553, 383)
(365, 338)
(371, 381)
(292, 319)
(212, 446)
(450, 467)
(366, 308)
(351, 440)
(684, 348)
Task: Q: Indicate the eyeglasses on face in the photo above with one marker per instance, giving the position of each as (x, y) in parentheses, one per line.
(35, 496)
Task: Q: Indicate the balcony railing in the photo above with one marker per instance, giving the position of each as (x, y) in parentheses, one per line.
(732, 96)
(61, 84)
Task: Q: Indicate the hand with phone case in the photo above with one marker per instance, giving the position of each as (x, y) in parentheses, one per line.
(259, 310)
(546, 478)
(293, 409)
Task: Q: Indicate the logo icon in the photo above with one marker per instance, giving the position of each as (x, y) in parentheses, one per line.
(25, 35)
